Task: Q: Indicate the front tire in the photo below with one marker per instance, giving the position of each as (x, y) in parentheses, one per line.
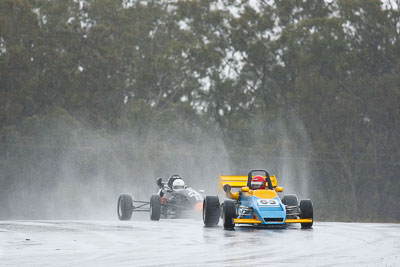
(155, 207)
(125, 207)
(290, 200)
(211, 211)
(306, 212)
(229, 213)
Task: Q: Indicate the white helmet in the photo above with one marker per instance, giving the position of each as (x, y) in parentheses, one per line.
(178, 184)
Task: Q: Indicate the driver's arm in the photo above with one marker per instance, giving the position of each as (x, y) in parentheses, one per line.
(229, 194)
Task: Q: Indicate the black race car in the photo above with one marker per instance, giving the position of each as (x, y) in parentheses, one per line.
(173, 200)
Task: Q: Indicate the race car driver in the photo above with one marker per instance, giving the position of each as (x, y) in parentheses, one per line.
(175, 182)
(257, 182)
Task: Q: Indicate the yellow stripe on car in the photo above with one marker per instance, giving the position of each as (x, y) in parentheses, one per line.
(246, 221)
(298, 221)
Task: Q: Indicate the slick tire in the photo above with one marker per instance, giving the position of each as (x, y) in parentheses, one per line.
(155, 207)
(290, 200)
(306, 212)
(125, 207)
(229, 213)
(211, 211)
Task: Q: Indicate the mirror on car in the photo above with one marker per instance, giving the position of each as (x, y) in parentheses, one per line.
(279, 189)
(245, 189)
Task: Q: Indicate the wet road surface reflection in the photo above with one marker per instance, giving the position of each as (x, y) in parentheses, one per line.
(189, 243)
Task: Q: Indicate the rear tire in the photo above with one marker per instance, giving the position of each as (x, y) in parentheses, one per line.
(229, 213)
(290, 200)
(306, 212)
(211, 211)
(125, 207)
(155, 207)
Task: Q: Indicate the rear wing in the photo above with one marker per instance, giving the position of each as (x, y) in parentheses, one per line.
(239, 181)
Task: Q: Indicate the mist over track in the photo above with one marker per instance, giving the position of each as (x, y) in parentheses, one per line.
(188, 243)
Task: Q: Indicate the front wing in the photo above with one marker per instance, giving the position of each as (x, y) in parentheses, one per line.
(255, 221)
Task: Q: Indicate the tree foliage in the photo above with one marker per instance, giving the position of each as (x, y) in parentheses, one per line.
(317, 78)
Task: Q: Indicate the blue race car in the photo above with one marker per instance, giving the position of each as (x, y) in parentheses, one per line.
(256, 203)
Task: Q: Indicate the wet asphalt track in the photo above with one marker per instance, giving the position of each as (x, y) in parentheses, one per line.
(188, 243)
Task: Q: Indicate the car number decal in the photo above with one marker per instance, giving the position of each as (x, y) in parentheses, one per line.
(196, 195)
(267, 202)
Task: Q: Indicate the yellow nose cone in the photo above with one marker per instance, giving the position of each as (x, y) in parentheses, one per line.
(264, 193)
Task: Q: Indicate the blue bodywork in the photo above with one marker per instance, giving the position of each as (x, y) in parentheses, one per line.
(269, 211)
